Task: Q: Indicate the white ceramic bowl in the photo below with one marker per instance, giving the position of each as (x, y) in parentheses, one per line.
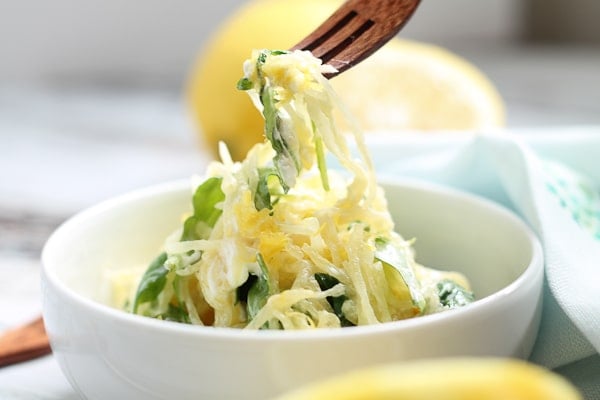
(106, 353)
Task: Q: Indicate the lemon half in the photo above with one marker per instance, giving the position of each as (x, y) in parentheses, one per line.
(406, 85)
(447, 379)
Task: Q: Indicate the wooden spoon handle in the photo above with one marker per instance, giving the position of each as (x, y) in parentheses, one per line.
(24, 343)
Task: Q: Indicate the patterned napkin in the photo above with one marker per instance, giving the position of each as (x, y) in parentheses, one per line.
(552, 180)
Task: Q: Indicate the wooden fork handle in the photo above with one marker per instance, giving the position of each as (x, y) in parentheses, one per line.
(24, 343)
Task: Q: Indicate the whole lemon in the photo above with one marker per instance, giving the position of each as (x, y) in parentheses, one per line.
(404, 86)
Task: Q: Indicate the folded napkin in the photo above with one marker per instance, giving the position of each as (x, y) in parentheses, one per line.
(552, 181)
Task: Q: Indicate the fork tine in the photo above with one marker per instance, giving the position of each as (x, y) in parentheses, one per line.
(345, 56)
(343, 38)
(356, 30)
(335, 33)
(335, 22)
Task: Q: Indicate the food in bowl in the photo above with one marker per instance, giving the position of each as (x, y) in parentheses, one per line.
(281, 241)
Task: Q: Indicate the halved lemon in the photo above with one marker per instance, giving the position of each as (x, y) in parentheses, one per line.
(448, 379)
(408, 85)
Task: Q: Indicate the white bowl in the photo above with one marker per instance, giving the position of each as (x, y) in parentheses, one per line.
(107, 353)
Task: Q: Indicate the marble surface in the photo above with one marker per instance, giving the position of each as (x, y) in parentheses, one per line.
(66, 148)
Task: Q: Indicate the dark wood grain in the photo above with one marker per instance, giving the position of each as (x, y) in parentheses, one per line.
(24, 343)
(356, 30)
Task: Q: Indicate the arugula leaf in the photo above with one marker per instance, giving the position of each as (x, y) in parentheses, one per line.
(205, 199)
(262, 195)
(326, 282)
(400, 276)
(259, 290)
(244, 84)
(453, 295)
(175, 313)
(268, 100)
(152, 283)
(278, 52)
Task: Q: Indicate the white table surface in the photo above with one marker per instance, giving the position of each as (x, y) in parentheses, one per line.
(66, 149)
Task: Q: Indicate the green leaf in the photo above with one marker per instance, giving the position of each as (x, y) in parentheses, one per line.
(326, 282)
(262, 57)
(267, 98)
(278, 52)
(175, 313)
(206, 214)
(453, 295)
(152, 283)
(244, 84)
(398, 272)
(263, 194)
(259, 291)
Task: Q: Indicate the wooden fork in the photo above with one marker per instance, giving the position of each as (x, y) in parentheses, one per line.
(356, 30)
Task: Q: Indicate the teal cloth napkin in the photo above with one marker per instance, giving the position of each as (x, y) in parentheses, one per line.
(552, 181)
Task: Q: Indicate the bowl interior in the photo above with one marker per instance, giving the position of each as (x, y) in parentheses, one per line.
(119, 234)
(453, 231)
(457, 231)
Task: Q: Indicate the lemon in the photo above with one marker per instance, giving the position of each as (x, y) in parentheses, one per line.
(448, 379)
(406, 85)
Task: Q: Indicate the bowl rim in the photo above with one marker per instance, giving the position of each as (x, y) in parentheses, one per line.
(531, 275)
